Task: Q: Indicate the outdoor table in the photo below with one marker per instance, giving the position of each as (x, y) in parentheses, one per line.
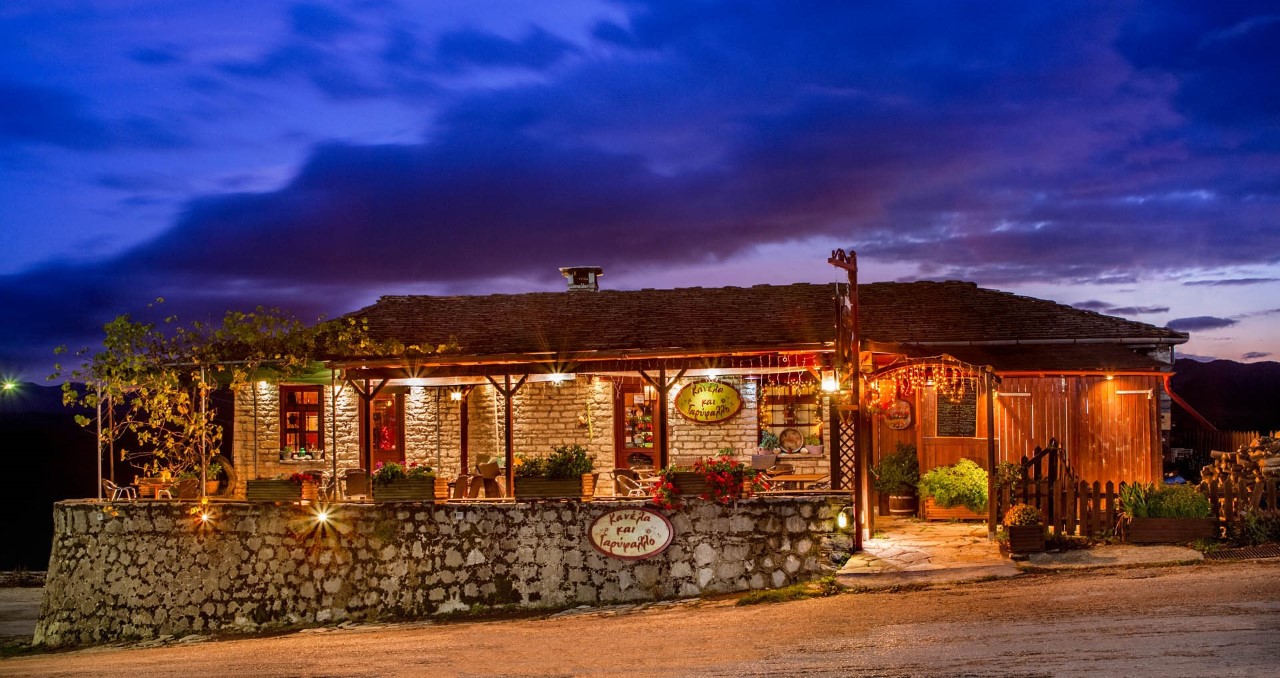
(151, 488)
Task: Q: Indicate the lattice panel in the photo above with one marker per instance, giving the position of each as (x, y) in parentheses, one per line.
(846, 453)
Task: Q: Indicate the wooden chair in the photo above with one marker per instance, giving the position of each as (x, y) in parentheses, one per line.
(460, 486)
(356, 483)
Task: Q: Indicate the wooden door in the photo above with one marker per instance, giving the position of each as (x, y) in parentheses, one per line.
(633, 415)
(386, 415)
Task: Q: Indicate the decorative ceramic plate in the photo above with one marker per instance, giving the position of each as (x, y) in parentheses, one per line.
(791, 440)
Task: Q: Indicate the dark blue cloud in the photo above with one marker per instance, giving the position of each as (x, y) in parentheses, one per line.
(1255, 355)
(44, 115)
(1200, 323)
(156, 56)
(320, 22)
(538, 50)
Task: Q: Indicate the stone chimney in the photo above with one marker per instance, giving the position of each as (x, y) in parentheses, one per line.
(583, 278)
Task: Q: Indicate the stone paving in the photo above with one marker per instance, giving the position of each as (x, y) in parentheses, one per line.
(907, 550)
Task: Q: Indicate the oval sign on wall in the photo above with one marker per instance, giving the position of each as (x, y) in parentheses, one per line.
(631, 533)
(708, 402)
(898, 416)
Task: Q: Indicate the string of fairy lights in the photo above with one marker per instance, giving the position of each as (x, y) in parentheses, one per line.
(950, 379)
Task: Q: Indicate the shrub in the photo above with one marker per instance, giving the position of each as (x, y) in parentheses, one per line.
(1171, 501)
(1256, 526)
(1021, 515)
(528, 467)
(569, 462)
(1008, 474)
(386, 473)
(1178, 501)
(769, 441)
(964, 484)
(898, 472)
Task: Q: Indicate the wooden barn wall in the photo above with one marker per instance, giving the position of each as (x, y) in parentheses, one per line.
(1108, 435)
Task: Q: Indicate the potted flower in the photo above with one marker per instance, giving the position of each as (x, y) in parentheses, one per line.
(213, 478)
(566, 473)
(284, 488)
(813, 444)
(412, 482)
(957, 492)
(897, 475)
(1025, 527)
(1170, 514)
(721, 479)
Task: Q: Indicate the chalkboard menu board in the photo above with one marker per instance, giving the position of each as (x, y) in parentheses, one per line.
(958, 418)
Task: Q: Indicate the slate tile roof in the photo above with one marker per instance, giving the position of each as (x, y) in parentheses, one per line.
(761, 317)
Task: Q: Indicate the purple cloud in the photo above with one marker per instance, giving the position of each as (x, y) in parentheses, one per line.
(1199, 323)
(1255, 355)
(1231, 282)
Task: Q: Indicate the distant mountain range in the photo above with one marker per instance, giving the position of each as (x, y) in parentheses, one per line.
(29, 398)
(1234, 396)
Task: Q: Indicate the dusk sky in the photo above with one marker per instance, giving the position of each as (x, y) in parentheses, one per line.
(1122, 157)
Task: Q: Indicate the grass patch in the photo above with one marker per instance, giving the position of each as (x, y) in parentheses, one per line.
(821, 588)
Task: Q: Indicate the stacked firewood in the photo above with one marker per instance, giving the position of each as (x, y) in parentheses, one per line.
(1256, 461)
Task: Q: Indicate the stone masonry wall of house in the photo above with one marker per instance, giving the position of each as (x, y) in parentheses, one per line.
(139, 570)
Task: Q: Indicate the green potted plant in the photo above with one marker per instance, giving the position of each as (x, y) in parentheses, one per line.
(1165, 515)
(957, 492)
(566, 473)
(213, 478)
(412, 482)
(1025, 527)
(813, 444)
(187, 485)
(769, 442)
(897, 475)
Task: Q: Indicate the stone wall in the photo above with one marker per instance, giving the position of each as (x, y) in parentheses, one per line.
(136, 570)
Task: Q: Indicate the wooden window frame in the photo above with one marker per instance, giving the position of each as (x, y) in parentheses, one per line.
(287, 408)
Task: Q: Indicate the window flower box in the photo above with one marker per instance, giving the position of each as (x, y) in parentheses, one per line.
(281, 490)
(434, 489)
(542, 487)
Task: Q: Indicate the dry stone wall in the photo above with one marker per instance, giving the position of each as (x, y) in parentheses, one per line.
(140, 570)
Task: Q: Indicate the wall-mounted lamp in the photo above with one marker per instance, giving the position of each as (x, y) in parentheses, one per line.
(323, 516)
(558, 378)
(830, 382)
(455, 395)
(846, 518)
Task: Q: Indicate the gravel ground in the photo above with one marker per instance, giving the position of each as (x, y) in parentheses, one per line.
(1190, 620)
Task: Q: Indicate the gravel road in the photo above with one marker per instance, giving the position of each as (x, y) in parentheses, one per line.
(1211, 619)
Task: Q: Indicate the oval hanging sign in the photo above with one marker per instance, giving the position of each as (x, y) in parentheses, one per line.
(631, 533)
(708, 402)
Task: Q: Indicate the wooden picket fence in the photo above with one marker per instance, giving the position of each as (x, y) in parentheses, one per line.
(1074, 506)
(1231, 497)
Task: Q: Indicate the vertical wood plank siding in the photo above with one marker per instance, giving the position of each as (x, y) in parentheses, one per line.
(1108, 435)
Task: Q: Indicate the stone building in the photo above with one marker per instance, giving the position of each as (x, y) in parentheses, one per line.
(957, 370)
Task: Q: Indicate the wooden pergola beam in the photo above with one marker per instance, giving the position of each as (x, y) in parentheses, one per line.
(508, 391)
(663, 386)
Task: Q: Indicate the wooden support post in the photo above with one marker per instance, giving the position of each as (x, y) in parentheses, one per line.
(366, 400)
(508, 391)
(464, 423)
(663, 386)
(992, 518)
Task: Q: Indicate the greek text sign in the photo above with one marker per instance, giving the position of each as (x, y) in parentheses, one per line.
(631, 534)
(708, 402)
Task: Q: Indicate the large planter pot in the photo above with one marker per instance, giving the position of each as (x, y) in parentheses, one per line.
(211, 487)
(903, 504)
(934, 512)
(1025, 538)
(280, 490)
(435, 489)
(1171, 530)
(542, 487)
